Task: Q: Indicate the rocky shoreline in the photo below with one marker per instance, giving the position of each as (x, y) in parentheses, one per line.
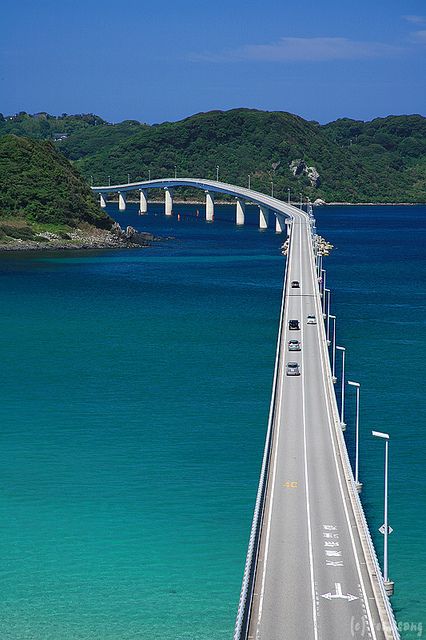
(93, 238)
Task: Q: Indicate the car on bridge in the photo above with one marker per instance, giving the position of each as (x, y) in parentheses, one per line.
(295, 284)
(293, 369)
(294, 345)
(293, 325)
(311, 320)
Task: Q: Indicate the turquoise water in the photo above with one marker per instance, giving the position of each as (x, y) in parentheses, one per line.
(135, 389)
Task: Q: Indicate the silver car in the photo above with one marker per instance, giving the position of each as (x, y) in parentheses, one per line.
(294, 345)
(293, 369)
(311, 320)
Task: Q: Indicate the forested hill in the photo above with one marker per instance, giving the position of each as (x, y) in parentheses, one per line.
(39, 185)
(347, 160)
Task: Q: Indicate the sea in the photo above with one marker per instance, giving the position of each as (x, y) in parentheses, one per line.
(134, 397)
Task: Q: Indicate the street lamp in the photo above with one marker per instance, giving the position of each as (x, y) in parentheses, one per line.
(109, 180)
(358, 484)
(217, 173)
(272, 189)
(323, 281)
(301, 200)
(249, 182)
(149, 175)
(342, 406)
(334, 349)
(327, 298)
(128, 178)
(385, 529)
(175, 172)
(91, 180)
(288, 194)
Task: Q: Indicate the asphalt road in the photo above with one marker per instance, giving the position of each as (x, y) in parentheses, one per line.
(311, 582)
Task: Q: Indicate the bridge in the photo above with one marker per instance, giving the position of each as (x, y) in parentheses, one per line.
(311, 570)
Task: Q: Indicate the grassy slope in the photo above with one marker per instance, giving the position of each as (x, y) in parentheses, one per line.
(40, 186)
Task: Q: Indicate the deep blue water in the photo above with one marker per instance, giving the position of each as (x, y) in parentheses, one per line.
(135, 389)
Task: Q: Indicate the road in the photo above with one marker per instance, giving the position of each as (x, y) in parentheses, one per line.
(311, 581)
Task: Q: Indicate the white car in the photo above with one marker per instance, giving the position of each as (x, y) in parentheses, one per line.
(293, 369)
(311, 320)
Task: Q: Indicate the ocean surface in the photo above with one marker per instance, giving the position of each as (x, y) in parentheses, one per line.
(135, 388)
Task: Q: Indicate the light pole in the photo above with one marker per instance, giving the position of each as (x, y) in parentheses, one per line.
(149, 175)
(342, 407)
(327, 296)
(323, 281)
(109, 180)
(91, 180)
(217, 173)
(333, 369)
(301, 200)
(385, 529)
(358, 484)
(288, 194)
(128, 178)
(175, 172)
(272, 189)
(249, 186)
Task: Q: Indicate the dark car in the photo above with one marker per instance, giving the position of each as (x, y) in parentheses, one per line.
(293, 369)
(293, 325)
(295, 284)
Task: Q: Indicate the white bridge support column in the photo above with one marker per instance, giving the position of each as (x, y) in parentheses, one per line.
(288, 224)
(122, 201)
(241, 210)
(263, 217)
(143, 203)
(279, 223)
(209, 207)
(103, 200)
(168, 204)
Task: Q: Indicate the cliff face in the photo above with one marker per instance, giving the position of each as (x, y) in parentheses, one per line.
(39, 185)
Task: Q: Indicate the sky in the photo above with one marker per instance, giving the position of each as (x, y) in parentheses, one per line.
(156, 61)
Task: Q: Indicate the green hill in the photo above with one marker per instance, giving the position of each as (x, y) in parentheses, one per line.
(39, 186)
(347, 160)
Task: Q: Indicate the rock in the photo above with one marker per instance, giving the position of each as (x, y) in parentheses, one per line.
(319, 202)
(313, 176)
(297, 167)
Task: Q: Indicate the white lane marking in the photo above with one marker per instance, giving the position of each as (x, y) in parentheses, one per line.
(339, 594)
(280, 380)
(345, 508)
(305, 452)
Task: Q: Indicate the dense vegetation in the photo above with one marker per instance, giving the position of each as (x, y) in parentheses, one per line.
(39, 185)
(379, 161)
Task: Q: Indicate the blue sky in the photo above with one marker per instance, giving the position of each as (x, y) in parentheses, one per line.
(156, 61)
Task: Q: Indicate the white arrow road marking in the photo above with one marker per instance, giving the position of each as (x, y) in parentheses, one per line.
(339, 594)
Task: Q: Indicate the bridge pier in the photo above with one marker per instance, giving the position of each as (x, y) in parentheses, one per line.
(240, 211)
(288, 225)
(279, 224)
(168, 204)
(121, 201)
(103, 200)
(263, 217)
(143, 203)
(209, 207)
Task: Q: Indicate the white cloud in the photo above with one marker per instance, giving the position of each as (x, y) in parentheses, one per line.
(303, 50)
(419, 36)
(415, 19)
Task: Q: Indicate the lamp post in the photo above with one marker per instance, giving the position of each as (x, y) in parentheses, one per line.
(333, 359)
(272, 189)
(128, 178)
(249, 181)
(385, 529)
(323, 282)
(217, 173)
(342, 406)
(358, 484)
(91, 180)
(288, 195)
(175, 172)
(109, 180)
(301, 200)
(326, 314)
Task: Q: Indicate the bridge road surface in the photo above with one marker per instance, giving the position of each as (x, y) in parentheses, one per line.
(311, 580)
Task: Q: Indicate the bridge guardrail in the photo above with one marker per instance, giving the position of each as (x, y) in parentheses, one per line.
(246, 595)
